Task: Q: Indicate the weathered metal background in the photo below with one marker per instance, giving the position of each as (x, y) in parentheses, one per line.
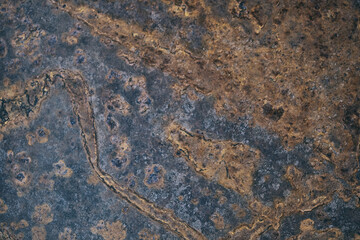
(184, 119)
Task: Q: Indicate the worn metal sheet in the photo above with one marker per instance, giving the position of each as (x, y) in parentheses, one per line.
(184, 119)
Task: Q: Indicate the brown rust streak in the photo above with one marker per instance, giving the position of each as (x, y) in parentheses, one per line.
(79, 94)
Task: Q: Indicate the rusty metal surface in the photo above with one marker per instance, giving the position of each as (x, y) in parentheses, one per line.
(179, 119)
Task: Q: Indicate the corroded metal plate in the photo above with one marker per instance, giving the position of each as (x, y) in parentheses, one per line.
(179, 119)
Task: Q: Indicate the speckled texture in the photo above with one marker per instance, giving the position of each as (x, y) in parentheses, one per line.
(179, 119)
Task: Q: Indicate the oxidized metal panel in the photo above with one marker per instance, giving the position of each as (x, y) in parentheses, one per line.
(179, 119)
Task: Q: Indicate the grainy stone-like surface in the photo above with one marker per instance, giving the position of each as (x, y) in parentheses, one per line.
(179, 119)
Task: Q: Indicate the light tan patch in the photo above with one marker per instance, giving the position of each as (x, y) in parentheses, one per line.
(1, 137)
(67, 234)
(93, 179)
(222, 200)
(38, 233)
(71, 37)
(146, 234)
(31, 138)
(218, 220)
(120, 158)
(10, 154)
(45, 181)
(42, 214)
(61, 170)
(27, 43)
(239, 212)
(195, 201)
(110, 231)
(22, 224)
(3, 207)
(187, 8)
(309, 232)
(123, 146)
(230, 164)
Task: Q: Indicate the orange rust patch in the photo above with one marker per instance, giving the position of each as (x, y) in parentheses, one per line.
(3, 207)
(22, 224)
(31, 138)
(230, 164)
(38, 233)
(67, 234)
(218, 220)
(146, 234)
(309, 232)
(45, 181)
(113, 75)
(93, 179)
(117, 104)
(110, 231)
(42, 214)
(71, 37)
(42, 134)
(120, 158)
(239, 212)
(61, 170)
(154, 176)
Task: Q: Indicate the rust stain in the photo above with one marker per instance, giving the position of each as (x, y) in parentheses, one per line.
(230, 164)
(110, 231)
(79, 94)
(289, 88)
(67, 234)
(42, 214)
(38, 232)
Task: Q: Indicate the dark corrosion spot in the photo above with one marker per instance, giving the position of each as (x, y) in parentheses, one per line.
(24, 160)
(20, 176)
(4, 116)
(156, 169)
(110, 122)
(72, 120)
(119, 162)
(110, 107)
(148, 101)
(3, 48)
(153, 178)
(272, 113)
(41, 132)
(80, 59)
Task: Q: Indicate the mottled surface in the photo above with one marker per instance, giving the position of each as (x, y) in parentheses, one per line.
(179, 119)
